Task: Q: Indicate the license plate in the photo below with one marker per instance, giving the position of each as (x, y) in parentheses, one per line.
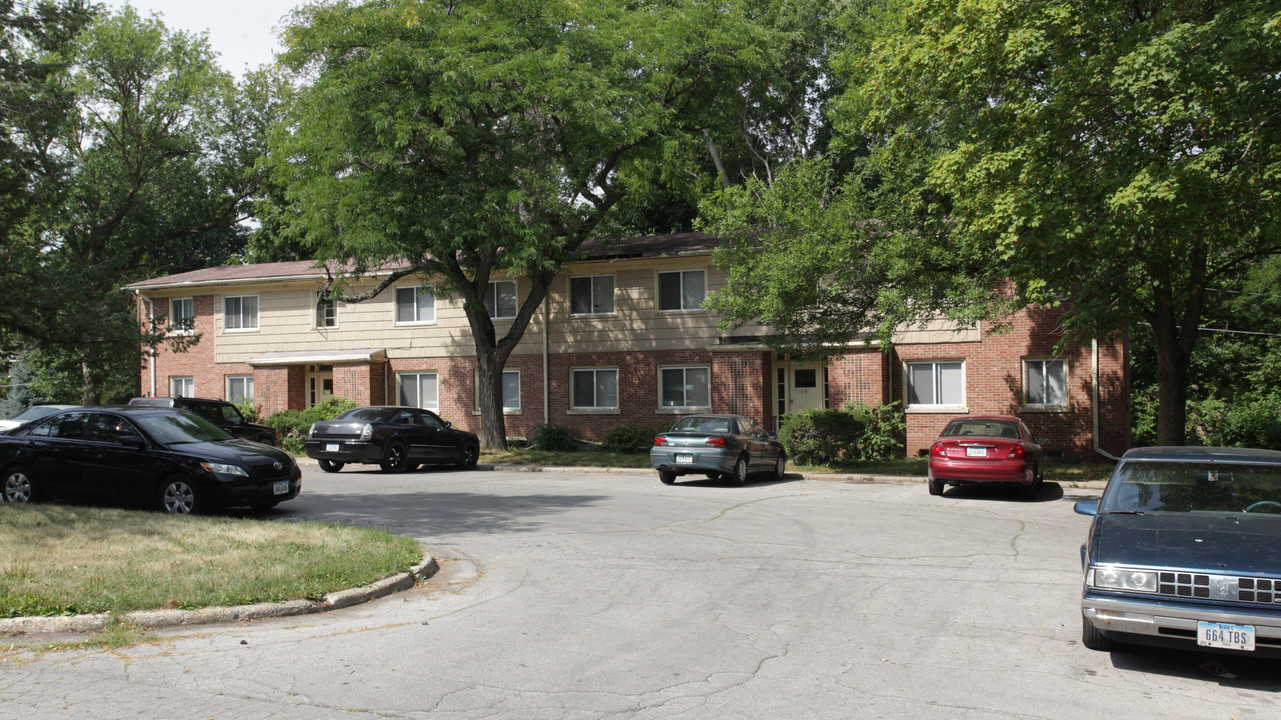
(332, 447)
(1222, 635)
(687, 459)
(975, 452)
(280, 488)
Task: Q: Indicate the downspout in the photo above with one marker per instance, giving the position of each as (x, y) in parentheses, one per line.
(151, 317)
(1094, 383)
(547, 418)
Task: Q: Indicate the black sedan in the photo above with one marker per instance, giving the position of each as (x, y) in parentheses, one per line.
(1184, 550)
(395, 438)
(728, 446)
(167, 459)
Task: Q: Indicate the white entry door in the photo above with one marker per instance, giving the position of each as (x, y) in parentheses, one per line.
(320, 384)
(805, 387)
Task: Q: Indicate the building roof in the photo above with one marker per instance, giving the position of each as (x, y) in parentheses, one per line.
(615, 249)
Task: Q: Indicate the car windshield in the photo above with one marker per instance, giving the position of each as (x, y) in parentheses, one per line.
(986, 428)
(181, 427)
(703, 423)
(369, 414)
(1182, 487)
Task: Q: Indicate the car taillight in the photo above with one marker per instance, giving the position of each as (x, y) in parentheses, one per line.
(937, 449)
(367, 432)
(311, 430)
(1016, 452)
(660, 440)
(716, 442)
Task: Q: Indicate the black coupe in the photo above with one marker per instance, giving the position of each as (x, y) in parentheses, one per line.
(395, 438)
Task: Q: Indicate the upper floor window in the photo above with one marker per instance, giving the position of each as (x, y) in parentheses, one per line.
(415, 304)
(595, 389)
(1045, 383)
(182, 387)
(591, 295)
(326, 312)
(182, 314)
(419, 390)
(240, 312)
(500, 299)
(682, 289)
(240, 387)
(685, 387)
(936, 383)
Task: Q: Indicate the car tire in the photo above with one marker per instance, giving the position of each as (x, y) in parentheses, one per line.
(19, 487)
(666, 477)
(395, 459)
(468, 456)
(1092, 639)
(179, 497)
(330, 466)
(780, 467)
(936, 486)
(740, 470)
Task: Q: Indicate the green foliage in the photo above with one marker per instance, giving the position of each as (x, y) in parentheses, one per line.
(629, 437)
(821, 437)
(884, 435)
(249, 410)
(291, 426)
(1251, 423)
(551, 438)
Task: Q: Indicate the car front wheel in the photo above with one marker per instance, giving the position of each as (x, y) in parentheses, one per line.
(395, 460)
(179, 497)
(1092, 638)
(780, 468)
(468, 456)
(18, 487)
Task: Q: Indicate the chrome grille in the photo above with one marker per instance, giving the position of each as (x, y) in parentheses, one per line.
(1259, 590)
(1193, 585)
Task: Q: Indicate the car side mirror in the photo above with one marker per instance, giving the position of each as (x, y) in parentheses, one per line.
(133, 441)
(1087, 507)
(1042, 441)
(447, 423)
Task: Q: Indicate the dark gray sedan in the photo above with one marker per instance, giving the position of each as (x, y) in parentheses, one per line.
(728, 446)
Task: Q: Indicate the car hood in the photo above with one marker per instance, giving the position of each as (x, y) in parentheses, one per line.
(1224, 544)
(237, 451)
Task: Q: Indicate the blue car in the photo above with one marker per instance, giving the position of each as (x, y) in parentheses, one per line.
(1184, 550)
(728, 446)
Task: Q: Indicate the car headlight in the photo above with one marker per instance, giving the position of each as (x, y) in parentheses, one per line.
(221, 469)
(1122, 579)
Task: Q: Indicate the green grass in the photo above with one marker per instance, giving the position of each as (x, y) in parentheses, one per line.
(64, 560)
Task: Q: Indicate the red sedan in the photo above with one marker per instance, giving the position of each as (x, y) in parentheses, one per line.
(981, 449)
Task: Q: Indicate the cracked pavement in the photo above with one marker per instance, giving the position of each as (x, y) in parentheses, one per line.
(581, 596)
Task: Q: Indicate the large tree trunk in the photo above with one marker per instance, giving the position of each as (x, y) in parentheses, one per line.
(1175, 339)
(493, 423)
(89, 391)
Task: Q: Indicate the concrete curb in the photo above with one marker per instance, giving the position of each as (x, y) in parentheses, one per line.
(156, 619)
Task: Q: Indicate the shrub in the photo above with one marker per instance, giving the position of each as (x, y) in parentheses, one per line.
(884, 431)
(249, 410)
(630, 437)
(820, 437)
(291, 425)
(551, 437)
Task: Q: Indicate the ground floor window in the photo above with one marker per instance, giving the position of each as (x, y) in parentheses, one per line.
(182, 387)
(510, 390)
(595, 389)
(936, 383)
(240, 387)
(685, 387)
(1045, 383)
(419, 390)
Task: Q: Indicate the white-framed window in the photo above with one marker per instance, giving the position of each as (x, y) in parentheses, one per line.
(511, 391)
(685, 387)
(681, 290)
(182, 386)
(595, 388)
(415, 304)
(240, 312)
(326, 312)
(1045, 383)
(182, 314)
(936, 382)
(240, 387)
(591, 295)
(500, 299)
(418, 389)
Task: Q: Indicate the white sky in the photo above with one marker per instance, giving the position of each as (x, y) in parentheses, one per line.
(244, 33)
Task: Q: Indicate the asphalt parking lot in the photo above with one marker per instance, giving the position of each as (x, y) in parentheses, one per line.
(574, 595)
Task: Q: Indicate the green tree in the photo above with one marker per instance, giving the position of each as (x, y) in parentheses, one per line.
(464, 138)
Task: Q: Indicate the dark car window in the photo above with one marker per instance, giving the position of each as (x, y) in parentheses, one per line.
(1175, 487)
(986, 428)
(111, 429)
(368, 414)
(431, 421)
(70, 425)
(405, 417)
(181, 427)
(230, 414)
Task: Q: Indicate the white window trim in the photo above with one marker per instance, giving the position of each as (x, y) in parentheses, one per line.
(315, 313)
(182, 377)
(923, 408)
(519, 409)
(173, 326)
(591, 410)
(395, 307)
(226, 385)
(684, 409)
(400, 378)
(257, 316)
(492, 286)
(1024, 405)
(613, 297)
(658, 290)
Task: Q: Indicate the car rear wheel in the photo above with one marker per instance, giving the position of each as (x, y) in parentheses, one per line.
(1093, 639)
(395, 460)
(468, 457)
(666, 477)
(936, 486)
(780, 467)
(18, 486)
(179, 497)
(740, 470)
(330, 465)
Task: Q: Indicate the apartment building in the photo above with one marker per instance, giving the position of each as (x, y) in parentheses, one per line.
(622, 336)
